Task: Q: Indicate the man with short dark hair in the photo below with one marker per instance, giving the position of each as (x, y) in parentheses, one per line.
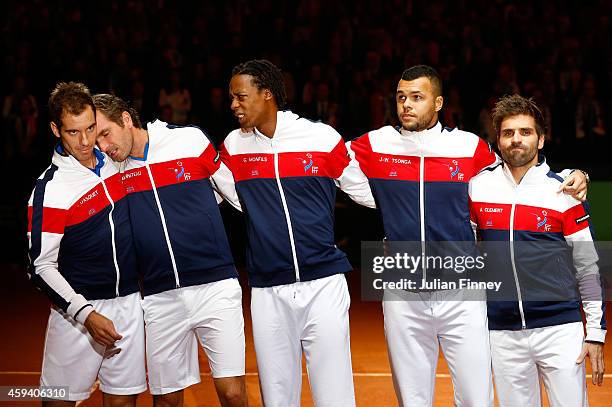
(171, 175)
(82, 257)
(535, 323)
(286, 170)
(419, 175)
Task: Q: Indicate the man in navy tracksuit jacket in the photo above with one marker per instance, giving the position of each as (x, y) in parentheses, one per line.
(419, 175)
(171, 175)
(548, 268)
(287, 169)
(82, 256)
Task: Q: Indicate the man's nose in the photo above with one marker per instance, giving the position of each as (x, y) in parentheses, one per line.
(103, 145)
(84, 139)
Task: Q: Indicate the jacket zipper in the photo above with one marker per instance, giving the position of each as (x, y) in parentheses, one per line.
(516, 280)
(286, 210)
(112, 227)
(164, 227)
(422, 207)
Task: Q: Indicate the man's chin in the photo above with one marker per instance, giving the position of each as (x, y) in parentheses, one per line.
(516, 160)
(411, 126)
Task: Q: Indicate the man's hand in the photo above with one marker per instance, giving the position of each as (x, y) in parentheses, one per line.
(575, 185)
(101, 329)
(596, 355)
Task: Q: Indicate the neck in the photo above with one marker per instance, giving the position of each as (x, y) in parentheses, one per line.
(519, 172)
(91, 163)
(429, 127)
(141, 138)
(268, 128)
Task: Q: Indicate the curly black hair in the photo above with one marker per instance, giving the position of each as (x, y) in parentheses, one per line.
(265, 75)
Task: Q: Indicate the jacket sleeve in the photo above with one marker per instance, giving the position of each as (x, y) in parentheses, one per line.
(45, 232)
(353, 181)
(578, 233)
(221, 177)
(484, 156)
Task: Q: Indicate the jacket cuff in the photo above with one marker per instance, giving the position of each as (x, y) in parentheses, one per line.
(595, 335)
(79, 308)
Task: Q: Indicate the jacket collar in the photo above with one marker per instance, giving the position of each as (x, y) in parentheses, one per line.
(533, 175)
(62, 159)
(435, 130)
(284, 119)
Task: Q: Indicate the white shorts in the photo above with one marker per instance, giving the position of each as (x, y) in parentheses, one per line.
(418, 324)
(521, 358)
(176, 319)
(72, 358)
(308, 316)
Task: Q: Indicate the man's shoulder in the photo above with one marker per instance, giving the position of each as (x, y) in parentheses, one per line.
(235, 137)
(58, 187)
(384, 131)
(487, 177)
(464, 134)
(184, 139)
(313, 127)
(180, 130)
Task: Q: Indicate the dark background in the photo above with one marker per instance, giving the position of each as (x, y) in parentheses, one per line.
(341, 60)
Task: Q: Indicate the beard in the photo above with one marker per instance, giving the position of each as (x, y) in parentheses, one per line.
(421, 123)
(518, 156)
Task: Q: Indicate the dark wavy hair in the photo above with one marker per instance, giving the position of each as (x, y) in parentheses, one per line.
(514, 105)
(265, 75)
(69, 97)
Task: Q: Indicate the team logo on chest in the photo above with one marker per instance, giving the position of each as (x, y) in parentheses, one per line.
(308, 164)
(179, 172)
(455, 170)
(541, 220)
(488, 212)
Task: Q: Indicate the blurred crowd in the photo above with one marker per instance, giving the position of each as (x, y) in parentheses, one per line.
(342, 61)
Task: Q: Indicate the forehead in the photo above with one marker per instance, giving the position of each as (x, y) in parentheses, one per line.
(85, 118)
(521, 121)
(422, 85)
(102, 119)
(242, 83)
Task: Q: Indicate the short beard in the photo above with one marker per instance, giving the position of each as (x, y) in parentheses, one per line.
(421, 124)
(518, 160)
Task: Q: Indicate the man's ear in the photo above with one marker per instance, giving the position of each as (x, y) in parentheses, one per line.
(127, 120)
(541, 138)
(54, 129)
(438, 103)
(267, 94)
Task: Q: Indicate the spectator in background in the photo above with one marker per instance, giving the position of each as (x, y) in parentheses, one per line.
(485, 123)
(178, 98)
(310, 89)
(19, 114)
(589, 113)
(165, 113)
(506, 81)
(26, 127)
(217, 119)
(453, 112)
